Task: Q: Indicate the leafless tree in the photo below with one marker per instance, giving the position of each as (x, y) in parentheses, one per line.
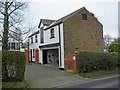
(107, 40)
(11, 18)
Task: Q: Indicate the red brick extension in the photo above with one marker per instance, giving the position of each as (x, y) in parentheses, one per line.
(71, 64)
(75, 68)
(36, 56)
(68, 63)
(27, 56)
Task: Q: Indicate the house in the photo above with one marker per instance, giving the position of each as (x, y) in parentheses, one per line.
(0, 44)
(58, 39)
(13, 45)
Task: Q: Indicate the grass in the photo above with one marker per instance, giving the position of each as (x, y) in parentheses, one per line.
(23, 84)
(100, 74)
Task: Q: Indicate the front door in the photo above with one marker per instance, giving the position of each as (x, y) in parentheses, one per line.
(44, 56)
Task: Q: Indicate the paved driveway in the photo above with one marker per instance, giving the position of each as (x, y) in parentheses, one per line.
(48, 76)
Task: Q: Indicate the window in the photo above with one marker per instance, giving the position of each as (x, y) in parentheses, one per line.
(36, 39)
(84, 16)
(9, 46)
(33, 53)
(13, 46)
(31, 39)
(41, 35)
(52, 33)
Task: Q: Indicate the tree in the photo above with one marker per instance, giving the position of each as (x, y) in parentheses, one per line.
(107, 41)
(114, 47)
(11, 19)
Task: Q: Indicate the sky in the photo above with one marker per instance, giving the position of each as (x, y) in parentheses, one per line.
(105, 10)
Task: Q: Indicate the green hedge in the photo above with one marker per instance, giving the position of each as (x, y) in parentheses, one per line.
(116, 56)
(92, 61)
(13, 65)
(114, 47)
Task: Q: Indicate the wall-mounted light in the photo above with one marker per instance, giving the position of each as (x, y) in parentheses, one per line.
(76, 51)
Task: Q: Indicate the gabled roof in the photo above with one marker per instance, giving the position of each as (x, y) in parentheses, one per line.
(46, 22)
(65, 17)
(34, 33)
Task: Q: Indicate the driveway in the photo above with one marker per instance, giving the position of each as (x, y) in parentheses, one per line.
(48, 76)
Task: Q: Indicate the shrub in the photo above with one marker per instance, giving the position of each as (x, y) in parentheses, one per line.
(13, 65)
(93, 61)
(116, 57)
(114, 47)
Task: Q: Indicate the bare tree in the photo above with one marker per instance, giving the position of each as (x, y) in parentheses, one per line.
(11, 18)
(107, 41)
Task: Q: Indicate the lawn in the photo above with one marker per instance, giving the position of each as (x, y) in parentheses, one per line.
(100, 74)
(23, 84)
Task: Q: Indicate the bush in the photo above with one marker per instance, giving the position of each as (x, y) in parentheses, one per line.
(13, 65)
(114, 47)
(116, 56)
(93, 61)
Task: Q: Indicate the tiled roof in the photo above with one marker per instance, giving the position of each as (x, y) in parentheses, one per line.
(65, 17)
(34, 33)
(46, 22)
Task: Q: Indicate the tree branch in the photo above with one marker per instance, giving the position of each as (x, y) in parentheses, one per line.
(14, 37)
(16, 9)
(2, 12)
(11, 3)
(2, 3)
(13, 31)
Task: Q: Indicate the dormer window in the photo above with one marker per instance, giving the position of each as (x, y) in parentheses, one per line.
(52, 33)
(84, 16)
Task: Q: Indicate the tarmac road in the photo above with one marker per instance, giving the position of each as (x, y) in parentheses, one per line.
(109, 82)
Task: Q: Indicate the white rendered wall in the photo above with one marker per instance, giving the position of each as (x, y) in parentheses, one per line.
(62, 46)
(34, 45)
(47, 36)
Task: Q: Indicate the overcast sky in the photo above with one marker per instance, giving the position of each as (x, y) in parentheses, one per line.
(105, 10)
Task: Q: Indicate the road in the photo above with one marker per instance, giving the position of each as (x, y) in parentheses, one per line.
(109, 82)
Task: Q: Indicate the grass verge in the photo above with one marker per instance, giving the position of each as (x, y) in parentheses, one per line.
(23, 84)
(100, 74)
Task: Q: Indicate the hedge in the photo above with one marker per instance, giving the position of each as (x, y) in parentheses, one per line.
(116, 56)
(13, 65)
(114, 47)
(93, 61)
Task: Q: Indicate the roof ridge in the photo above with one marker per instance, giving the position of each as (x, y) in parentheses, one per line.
(48, 19)
(66, 17)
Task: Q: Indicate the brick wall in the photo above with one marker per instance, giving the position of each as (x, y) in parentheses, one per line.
(86, 35)
(68, 63)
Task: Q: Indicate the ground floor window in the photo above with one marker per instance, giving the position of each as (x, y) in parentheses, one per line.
(33, 53)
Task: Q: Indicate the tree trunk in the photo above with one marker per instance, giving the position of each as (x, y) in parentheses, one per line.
(6, 27)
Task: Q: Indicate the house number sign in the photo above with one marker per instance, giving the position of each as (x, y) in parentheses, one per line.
(74, 57)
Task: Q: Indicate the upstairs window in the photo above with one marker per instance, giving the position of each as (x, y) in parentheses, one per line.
(31, 39)
(36, 39)
(84, 16)
(41, 35)
(52, 33)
